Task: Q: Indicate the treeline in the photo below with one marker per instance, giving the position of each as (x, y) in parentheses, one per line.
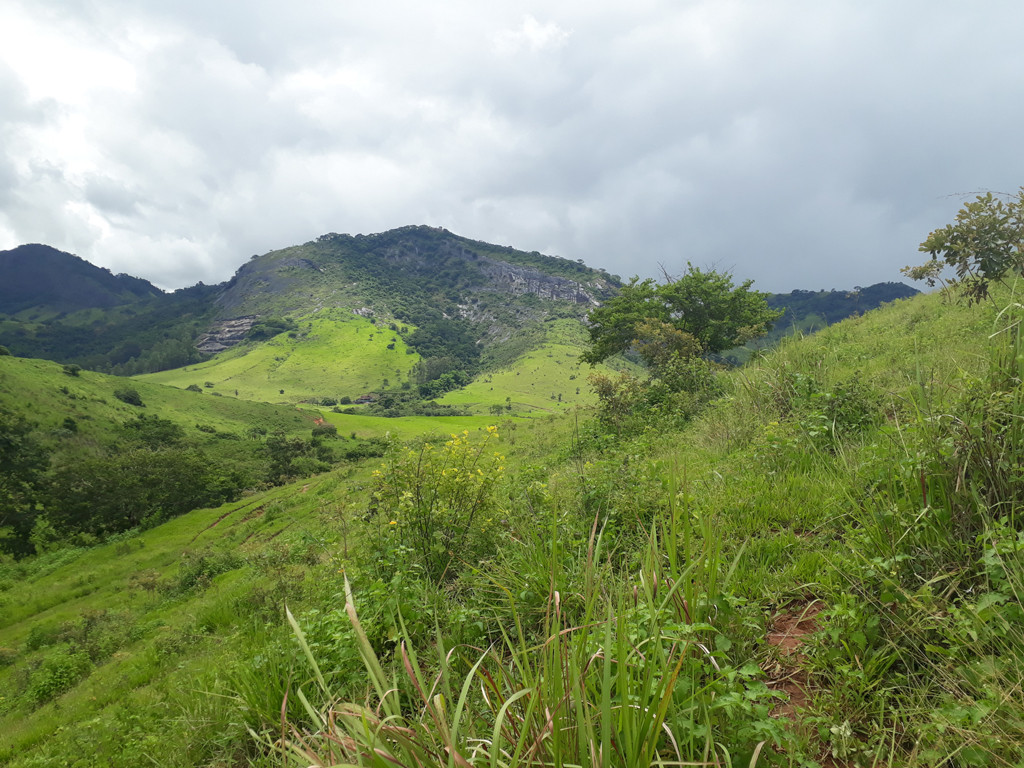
(78, 491)
(154, 334)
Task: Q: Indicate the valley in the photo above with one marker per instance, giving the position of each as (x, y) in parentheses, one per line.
(431, 529)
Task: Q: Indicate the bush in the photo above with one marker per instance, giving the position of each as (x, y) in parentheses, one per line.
(435, 507)
(325, 429)
(59, 672)
(130, 396)
(72, 369)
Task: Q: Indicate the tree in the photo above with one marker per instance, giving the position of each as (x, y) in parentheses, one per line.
(22, 463)
(129, 395)
(986, 243)
(698, 313)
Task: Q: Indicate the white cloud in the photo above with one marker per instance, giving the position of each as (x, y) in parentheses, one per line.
(807, 145)
(531, 36)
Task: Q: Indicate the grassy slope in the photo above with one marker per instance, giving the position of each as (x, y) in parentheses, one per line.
(35, 389)
(334, 354)
(174, 633)
(768, 493)
(536, 379)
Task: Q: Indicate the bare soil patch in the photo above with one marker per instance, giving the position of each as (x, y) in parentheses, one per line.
(785, 668)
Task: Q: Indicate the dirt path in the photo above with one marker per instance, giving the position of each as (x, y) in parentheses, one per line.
(785, 669)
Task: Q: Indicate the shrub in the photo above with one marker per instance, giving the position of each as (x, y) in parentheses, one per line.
(194, 388)
(325, 429)
(435, 507)
(72, 370)
(59, 672)
(130, 396)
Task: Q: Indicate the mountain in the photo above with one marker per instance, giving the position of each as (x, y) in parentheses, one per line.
(810, 311)
(832, 306)
(415, 312)
(464, 297)
(41, 278)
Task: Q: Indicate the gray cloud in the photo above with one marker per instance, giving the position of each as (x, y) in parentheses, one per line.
(801, 144)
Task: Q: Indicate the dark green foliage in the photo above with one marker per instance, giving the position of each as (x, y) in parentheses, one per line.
(72, 370)
(128, 395)
(704, 305)
(325, 429)
(269, 327)
(194, 388)
(833, 306)
(22, 463)
(446, 382)
(363, 449)
(137, 333)
(4, 350)
(986, 244)
(104, 495)
(292, 457)
(153, 432)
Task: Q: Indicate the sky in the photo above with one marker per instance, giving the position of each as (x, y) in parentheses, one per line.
(807, 144)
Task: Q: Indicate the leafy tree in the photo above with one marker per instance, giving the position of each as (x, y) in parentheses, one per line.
(986, 243)
(700, 312)
(103, 495)
(325, 429)
(292, 457)
(153, 432)
(129, 395)
(22, 462)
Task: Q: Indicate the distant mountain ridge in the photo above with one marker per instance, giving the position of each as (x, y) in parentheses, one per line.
(463, 292)
(42, 277)
(473, 303)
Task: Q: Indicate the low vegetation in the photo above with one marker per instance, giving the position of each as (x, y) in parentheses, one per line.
(618, 588)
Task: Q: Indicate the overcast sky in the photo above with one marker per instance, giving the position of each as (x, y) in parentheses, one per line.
(806, 144)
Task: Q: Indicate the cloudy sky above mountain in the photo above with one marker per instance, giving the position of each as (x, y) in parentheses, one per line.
(801, 143)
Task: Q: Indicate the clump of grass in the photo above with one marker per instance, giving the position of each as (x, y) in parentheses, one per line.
(632, 675)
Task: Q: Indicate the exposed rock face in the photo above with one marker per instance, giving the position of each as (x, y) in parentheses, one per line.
(499, 276)
(225, 334)
(259, 276)
(510, 278)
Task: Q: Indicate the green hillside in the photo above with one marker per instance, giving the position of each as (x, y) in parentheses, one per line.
(332, 354)
(550, 378)
(823, 567)
(42, 392)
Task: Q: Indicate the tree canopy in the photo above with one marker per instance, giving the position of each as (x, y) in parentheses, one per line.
(985, 243)
(698, 313)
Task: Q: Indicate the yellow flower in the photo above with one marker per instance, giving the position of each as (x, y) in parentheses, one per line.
(393, 522)
(492, 430)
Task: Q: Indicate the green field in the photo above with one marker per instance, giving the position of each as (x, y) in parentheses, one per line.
(333, 354)
(44, 394)
(548, 379)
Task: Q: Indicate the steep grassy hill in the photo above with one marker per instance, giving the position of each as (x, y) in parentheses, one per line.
(46, 394)
(332, 354)
(824, 567)
(458, 293)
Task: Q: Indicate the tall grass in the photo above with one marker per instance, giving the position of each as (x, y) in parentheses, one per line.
(632, 675)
